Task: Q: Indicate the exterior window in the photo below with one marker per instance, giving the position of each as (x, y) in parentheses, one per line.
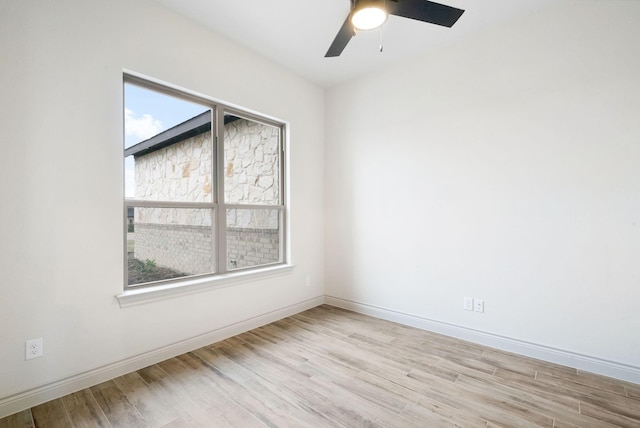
(203, 187)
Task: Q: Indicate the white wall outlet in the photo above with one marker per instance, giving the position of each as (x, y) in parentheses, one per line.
(478, 305)
(34, 348)
(468, 303)
(307, 281)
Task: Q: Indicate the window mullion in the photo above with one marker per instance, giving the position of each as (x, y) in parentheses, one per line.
(221, 216)
(126, 244)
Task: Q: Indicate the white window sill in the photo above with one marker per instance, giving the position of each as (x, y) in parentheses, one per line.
(161, 292)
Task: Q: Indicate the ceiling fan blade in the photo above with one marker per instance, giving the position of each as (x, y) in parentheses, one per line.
(345, 34)
(427, 11)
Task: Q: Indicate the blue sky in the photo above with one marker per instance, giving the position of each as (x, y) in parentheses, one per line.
(146, 114)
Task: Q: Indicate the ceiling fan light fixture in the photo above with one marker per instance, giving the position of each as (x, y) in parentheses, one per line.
(369, 15)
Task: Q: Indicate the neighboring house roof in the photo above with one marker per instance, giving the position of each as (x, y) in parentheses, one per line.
(190, 128)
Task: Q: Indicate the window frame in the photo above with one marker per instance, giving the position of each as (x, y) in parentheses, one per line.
(220, 272)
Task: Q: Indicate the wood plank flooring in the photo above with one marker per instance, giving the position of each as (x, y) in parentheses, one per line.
(328, 367)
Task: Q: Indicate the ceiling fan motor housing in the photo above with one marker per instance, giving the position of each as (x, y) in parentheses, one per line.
(361, 4)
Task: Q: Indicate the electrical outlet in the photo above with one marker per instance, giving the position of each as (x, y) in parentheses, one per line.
(468, 303)
(478, 305)
(307, 281)
(33, 348)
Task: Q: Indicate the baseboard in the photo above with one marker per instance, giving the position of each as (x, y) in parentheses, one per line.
(24, 400)
(566, 358)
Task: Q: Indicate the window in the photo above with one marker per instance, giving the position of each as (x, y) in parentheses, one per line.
(203, 187)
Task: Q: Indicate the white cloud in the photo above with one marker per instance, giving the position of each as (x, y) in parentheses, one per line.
(141, 126)
(129, 177)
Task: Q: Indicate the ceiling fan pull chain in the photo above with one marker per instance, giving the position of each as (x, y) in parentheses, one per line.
(381, 46)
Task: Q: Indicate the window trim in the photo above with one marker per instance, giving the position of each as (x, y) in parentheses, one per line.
(152, 291)
(192, 284)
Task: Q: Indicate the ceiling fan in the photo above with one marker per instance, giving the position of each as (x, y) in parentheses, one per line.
(371, 14)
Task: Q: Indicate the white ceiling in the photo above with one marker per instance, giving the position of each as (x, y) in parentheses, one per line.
(297, 33)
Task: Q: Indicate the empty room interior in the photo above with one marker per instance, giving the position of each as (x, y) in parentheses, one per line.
(449, 214)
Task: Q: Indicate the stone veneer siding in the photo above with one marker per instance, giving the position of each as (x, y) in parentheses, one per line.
(181, 239)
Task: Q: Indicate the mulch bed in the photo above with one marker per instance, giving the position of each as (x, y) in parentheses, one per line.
(140, 272)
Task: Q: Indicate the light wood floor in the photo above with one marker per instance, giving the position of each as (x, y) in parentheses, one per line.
(327, 367)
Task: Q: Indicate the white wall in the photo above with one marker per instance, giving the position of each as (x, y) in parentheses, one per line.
(61, 184)
(504, 167)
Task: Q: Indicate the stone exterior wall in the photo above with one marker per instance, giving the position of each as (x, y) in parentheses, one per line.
(251, 163)
(181, 239)
(180, 172)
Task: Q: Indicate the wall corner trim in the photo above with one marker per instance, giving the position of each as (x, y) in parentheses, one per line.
(558, 356)
(27, 399)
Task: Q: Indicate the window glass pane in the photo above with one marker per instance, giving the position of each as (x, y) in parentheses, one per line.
(165, 243)
(251, 161)
(253, 237)
(168, 148)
